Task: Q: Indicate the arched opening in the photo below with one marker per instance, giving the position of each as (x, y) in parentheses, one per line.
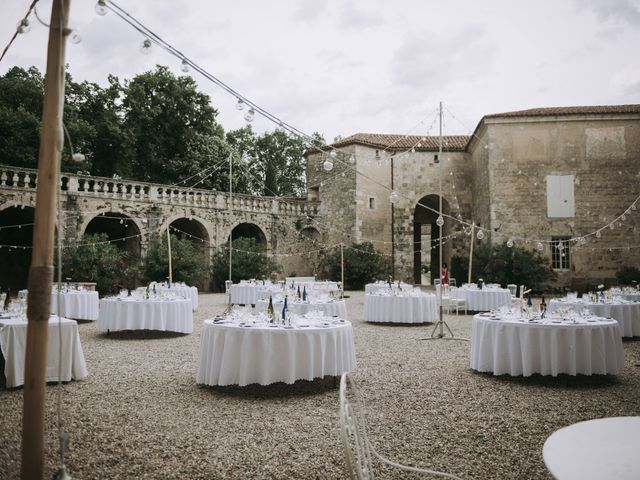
(189, 229)
(249, 230)
(426, 236)
(310, 234)
(119, 228)
(16, 237)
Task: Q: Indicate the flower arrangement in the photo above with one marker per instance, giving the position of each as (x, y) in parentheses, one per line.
(600, 287)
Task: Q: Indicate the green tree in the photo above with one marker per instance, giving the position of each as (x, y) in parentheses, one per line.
(94, 259)
(362, 264)
(248, 261)
(188, 261)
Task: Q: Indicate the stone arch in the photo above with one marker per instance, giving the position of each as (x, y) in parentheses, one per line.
(425, 230)
(250, 230)
(16, 229)
(117, 225)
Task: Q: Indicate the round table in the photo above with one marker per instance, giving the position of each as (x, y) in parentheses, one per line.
(173, 315)
(514, 346)
(177, 289)
(330, 308)
(485, 299)
(604, 448)
(373, 288)
(400, 308)
(245, 293)
(627, 314)
(81, 305)
(632, 297)
(234, 354)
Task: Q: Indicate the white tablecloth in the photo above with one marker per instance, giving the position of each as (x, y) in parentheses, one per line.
(244, 293)
(632, 297)
(13, 342)
(508, 346)
(235, 355)
(81, 305)
(297, 280)
(373, 288)
(400, 309)
(335, 307)
(170, 315)
(178, 290)
(627, 314)
(604, 448)
(485, 299)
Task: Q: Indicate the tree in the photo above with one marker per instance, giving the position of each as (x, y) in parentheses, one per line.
(248, 261)
(188, 261)
(362, 264)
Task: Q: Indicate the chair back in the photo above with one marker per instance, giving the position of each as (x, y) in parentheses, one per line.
(522, 289)
(513, 289)
(227, 286)
(452, 282)
(357, 449)
(3, 298)
(436, 281)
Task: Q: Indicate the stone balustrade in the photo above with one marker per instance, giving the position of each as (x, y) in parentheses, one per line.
(25, 179)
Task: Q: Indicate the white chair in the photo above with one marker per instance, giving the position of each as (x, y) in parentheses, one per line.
(521, 293)
(456, 302)
(513, 289)
(452, 282)
(3, 298)
(358, 451)
(436, 281)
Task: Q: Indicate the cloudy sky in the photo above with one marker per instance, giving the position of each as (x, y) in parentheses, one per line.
(345, 66)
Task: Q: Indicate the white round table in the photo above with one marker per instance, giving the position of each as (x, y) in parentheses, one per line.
(173, 315)
(177, 289)
(400, 308)
(330, 308)
(485, 299)
(511, 345)
(374, 288)
(245, 293)
(632, 297)
(231, 354)
(77, 304)
(627, 314)
(268, 291)
(604, 448)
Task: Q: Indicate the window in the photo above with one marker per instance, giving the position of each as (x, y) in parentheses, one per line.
(560, 200)
(372, 203)
(560, 253)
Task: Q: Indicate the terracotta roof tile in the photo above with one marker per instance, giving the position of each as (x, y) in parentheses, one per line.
(555, 111)
(396, 143)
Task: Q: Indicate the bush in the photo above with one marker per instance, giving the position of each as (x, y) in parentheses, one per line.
(362, 264)
(628, 276)
(248, 261)
(94, 259)
(504, 265)
(188, 261)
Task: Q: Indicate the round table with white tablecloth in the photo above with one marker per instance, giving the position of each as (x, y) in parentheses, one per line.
(420, 308)
(631, 297)
(233, 353)
(484, 299)
(513, 345)
(626, 313)
(329, 307)
(13, 341)
(177, 289)
(377, 287)
(245, 293)
(130, 313)
(77, 304)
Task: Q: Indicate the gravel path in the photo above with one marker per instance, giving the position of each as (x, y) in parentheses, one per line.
(140, 413)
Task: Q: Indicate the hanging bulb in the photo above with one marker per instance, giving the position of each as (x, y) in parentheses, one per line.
(510, 243)
(240, 104)
(440, 221)
(333, 153)
(184, 67)
(327, 165)
(145, 46)
(598, 234)
(121, 221)
(393, 196)
(612, 226)
(480, 235)
(560, 246)
(540, 246)
(23, 26)
(251, 113)
(75, 38)
(352, 159)
(623, 217)
(101, 8)
(78, 157)
(633, 206)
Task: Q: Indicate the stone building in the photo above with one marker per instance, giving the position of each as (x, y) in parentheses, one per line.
(554, 179)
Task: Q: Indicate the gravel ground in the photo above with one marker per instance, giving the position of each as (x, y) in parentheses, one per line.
(140, 413)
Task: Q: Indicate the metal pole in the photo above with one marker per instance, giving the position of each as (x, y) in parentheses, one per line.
(230, 222)
(41, 270)
(440, 162)
(393, 223)
(473, 226)
(342, 267)
(169, 254)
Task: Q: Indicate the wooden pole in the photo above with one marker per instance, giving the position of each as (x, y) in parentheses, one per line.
(41, 270)
(169, 253)
(473, 226)
(342, 267)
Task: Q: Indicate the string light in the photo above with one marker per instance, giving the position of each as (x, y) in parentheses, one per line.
(75, 37)
(480, 234)
(328, 165)
(240, 104)
(440, 221)
(510, 243)
(393, 197)
(101, 8)
(184, 66)
(24, 26)
(250, 115)
(145, 46)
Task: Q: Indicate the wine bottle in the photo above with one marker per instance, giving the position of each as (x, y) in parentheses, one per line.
(304, 293)
(543, 305)
(298, 293)
(529, 302)
(270, 309)
(147, 292)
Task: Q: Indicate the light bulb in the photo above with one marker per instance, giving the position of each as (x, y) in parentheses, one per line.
(393, 196)
(250, 115)
(185, 66)
(540, 246)
(480, 235)
(333, 153)
(121, 221)
(240, 104)
(327, 165)
(23, 26)
(633, 206)
(440, 221)
(560, 246)
(145, 46)
(78, 157)
(352, 159)
(509, 243)
(623, 217)
(598, 234)
(612, 226)
(75, 38)
(101, 8)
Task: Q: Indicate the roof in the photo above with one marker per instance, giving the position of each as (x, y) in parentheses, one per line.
(556, 111)
(404, 142)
